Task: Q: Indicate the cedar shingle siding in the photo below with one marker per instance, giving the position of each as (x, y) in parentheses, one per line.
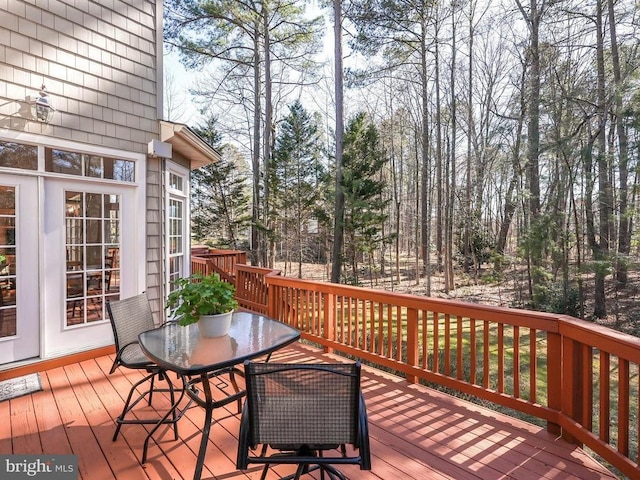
(97, 60)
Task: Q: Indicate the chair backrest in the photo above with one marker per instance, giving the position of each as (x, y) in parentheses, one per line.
(129, 318)
(302, 404)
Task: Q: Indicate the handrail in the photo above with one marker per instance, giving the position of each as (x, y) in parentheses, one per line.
(554, 367)
(251, 289)
(223, 262)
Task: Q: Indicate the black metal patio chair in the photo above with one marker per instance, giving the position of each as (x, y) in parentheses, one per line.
(130, 317)
(304, 414)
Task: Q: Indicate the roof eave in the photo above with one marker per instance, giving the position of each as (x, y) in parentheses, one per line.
(188, 144)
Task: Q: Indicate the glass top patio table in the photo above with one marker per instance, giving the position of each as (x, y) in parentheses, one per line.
(182, 350)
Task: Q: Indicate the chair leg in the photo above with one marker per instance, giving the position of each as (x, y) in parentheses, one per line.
(264, 472)
(334, 473)
(300, 470)
(303, 469)
(128, 405)
(232, 378)
(174, 416)
(153, 379)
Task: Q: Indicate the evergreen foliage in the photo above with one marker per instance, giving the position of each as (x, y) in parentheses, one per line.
(296, 175)
(220, 196)
(363, 188)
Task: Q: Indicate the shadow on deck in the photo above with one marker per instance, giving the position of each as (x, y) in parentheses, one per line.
(416, 432)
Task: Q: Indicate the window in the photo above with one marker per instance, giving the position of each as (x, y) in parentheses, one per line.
(17, 155)
(176, 240)
(95, 166)
(92, 240)
(176, 182)
(177, 225)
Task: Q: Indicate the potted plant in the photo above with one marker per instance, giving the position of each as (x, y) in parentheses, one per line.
(208, 300)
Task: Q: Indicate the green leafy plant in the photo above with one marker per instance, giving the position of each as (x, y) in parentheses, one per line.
(199, 295)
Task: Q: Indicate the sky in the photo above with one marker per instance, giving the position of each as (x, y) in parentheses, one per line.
(185, 80)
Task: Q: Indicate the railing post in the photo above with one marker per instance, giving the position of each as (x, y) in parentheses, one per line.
(412, 341)
(271, 299)
(572, 384)
(554, 378)
(328, 329)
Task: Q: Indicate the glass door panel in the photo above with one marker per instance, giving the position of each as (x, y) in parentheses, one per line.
(8, 286)
(19, 292)
(93, 255)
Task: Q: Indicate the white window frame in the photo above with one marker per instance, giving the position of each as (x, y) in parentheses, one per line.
(183, 196)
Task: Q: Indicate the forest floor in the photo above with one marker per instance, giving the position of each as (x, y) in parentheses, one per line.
(509, 289)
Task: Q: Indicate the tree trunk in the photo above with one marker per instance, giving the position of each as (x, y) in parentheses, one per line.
(466, 241)
(338, 232)
(439, 179)
(605, 200)
(418, 201)
(624, 234)
(256, 246)
(425, 211)
(449, 283)
(510, 202)
(269, 253)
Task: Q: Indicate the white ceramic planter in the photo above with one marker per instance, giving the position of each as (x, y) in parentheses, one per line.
(215, 325)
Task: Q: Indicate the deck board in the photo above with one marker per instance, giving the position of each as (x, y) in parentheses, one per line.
(416, 433)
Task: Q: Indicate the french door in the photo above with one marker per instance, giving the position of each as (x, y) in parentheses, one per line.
(89, 260)
(19, 253)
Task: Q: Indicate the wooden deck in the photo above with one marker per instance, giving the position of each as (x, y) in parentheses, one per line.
(416, 433)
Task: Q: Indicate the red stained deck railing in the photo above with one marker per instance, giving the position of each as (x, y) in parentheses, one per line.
(222, 262)
(580, 377)
(251, 288)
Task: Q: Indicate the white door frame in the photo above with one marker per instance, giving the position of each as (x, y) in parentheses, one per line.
(26, 343)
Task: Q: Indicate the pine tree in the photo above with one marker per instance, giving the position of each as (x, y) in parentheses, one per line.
(220, 211)
(295, 179)
(363, 191)
(264, 43)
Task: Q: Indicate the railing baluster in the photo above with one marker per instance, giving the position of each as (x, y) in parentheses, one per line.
(472, 341)
(447, 344)
(605, 399)
(533, 365)
(412, 342)
(380, 329)
(486, 369)
(459, 348)
(399, 331)
(389, 319)
(554, 380)
(436, 341)
(516, 361)
(372, 326)
(500, 358)
(587, 391)
(356, 324)
(623, 406)
(423, 319)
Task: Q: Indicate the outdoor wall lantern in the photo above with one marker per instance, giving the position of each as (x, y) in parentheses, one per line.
(41, 108)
